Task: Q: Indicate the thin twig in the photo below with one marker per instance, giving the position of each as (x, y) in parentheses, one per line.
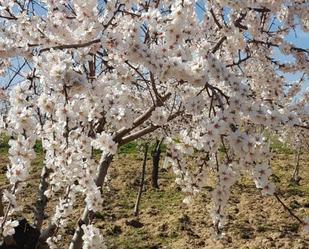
(288, 209)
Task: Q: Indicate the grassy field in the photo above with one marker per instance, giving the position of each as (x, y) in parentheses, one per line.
(254, 221)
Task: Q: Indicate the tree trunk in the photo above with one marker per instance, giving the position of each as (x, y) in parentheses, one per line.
(41, 200)
(296, 178)
(155, 164)
(1, 204)
(138, 199)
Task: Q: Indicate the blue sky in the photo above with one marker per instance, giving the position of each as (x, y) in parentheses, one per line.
(297, 37)
(300, 39)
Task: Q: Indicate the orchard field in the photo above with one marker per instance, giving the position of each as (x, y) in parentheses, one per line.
(255, 221)
(91, 90)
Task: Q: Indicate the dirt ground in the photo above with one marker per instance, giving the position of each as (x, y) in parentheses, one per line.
(254, 221)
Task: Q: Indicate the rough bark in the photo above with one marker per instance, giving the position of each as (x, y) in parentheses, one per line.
(1, 204)
(41, 200)
(155, 164)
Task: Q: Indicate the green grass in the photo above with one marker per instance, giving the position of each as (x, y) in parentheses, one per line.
(129, 148)
(279, 147)
(4, 144)
(38, 147)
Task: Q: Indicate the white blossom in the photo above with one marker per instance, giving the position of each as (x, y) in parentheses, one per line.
(8, 227)
(92, 238)
(105, 142)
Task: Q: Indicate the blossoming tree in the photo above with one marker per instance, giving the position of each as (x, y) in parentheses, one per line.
(99, 74)
(296, 139)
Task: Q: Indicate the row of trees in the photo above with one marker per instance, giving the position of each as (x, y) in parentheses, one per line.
(100, 74)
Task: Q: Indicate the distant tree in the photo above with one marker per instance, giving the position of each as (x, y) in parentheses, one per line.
(156, 153)
(142, 180)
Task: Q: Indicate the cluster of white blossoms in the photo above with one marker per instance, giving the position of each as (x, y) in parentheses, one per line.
(92, 238)
(105, 142)
(100, 75)
(261, 174)
(53, 241)
(159, 116)
(8, 226)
